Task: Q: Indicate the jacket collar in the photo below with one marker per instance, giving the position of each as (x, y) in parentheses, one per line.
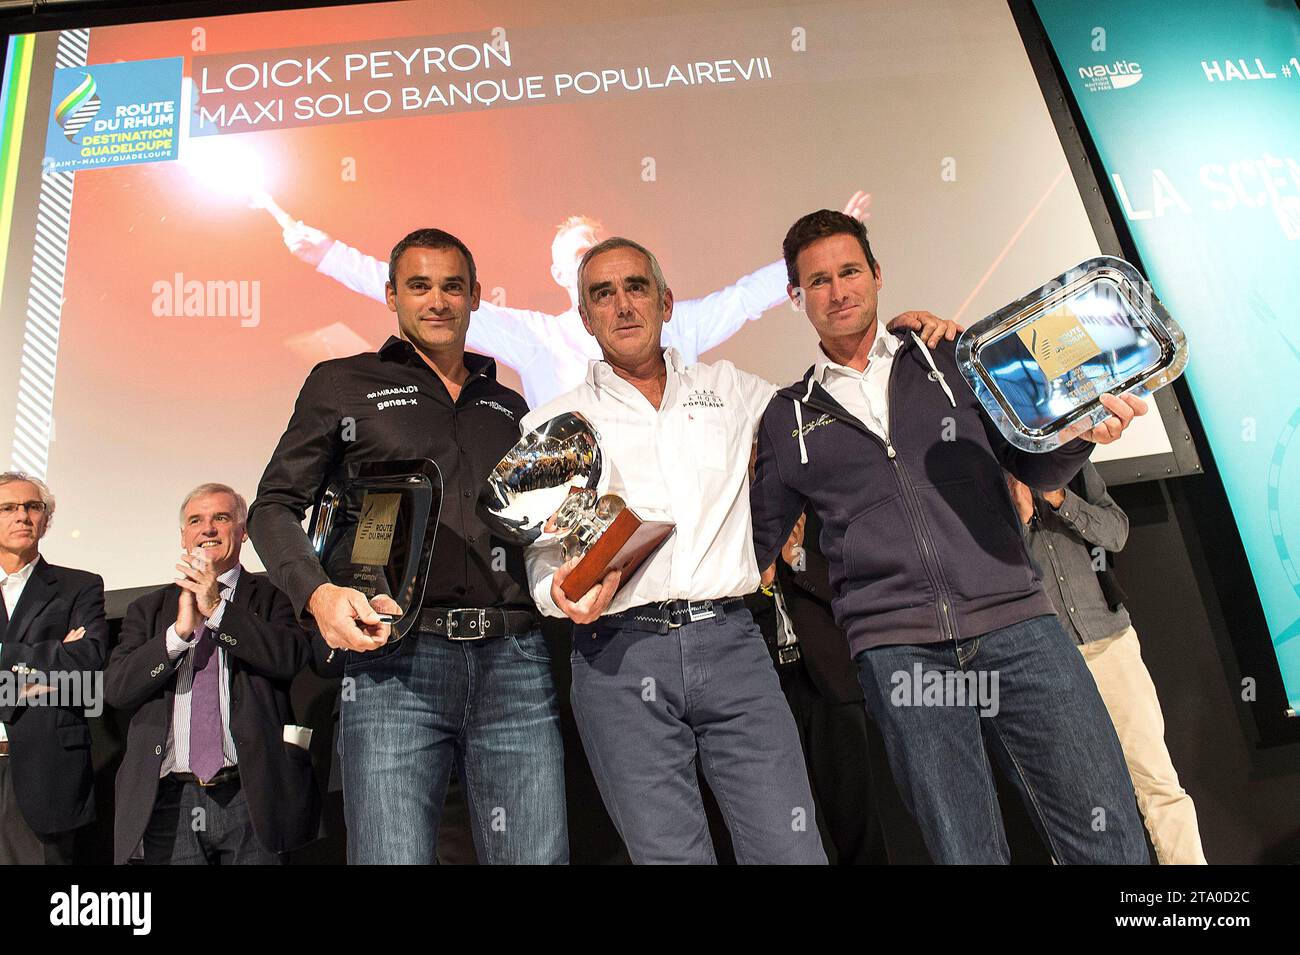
(902, 344)
(600, 372)
(39, 590)
(886, 345)
(399, 349)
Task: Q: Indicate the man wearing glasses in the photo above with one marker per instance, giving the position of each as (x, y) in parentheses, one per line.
(52, 627)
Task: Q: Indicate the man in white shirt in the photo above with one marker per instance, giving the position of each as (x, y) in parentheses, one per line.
(551, 352)
(53, 637)
(670, 668)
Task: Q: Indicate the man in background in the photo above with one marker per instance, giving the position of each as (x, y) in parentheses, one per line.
(811, 656)
(52, 627)
(217, 769)
(1072, 534)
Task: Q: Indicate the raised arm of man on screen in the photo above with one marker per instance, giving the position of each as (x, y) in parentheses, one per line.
(550, 352)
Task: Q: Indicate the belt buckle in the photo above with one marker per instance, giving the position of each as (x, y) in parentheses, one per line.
(480, 624)
(787, 654)
(696, 616)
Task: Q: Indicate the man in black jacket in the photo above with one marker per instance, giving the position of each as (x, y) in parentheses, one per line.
(216, 769)
(955, 640)
(471, 690)
(53, 642)
(820, 683)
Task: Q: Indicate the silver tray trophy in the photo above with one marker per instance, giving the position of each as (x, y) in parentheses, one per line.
(1041, 364)
(544, 493)
(373, 529)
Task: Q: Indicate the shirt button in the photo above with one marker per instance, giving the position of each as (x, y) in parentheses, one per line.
(1071, 610)
(1060, 578)
(471, 538)
(157, 750)
(467, 493)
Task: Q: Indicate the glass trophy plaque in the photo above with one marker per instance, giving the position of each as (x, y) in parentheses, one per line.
(1041, 364)
(373, 530)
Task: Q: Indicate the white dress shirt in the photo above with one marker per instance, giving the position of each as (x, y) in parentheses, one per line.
(687, 461)
(11, 588)
(551, 352)
(176, 756)
(864, 394)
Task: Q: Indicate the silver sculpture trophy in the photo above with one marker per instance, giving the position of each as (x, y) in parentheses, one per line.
(1040, 365)
(544, 493)
(373, 529)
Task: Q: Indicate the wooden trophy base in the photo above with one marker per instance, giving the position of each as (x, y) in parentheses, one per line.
(626, 543)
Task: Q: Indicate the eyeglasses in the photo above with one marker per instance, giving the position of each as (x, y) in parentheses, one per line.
(35, 508)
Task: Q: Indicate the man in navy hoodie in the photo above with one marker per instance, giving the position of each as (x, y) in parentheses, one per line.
(957, 644)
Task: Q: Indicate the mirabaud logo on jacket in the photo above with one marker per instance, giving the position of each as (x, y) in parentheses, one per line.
(919, 530)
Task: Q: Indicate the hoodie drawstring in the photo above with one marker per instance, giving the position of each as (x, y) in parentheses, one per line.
(935, 373)
(798, 420)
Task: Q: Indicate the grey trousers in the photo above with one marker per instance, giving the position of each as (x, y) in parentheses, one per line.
(649, 705)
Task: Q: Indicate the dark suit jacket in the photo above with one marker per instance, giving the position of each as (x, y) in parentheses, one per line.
(265, 648)
(823, 647)
(50, 746)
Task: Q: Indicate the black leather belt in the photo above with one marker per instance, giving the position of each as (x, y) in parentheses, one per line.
(476, 623)
(672, 614)
(228, 775)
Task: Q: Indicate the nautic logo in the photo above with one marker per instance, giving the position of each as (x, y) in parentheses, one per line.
(1114, 76)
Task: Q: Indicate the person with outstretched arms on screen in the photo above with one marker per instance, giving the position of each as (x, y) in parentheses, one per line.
(450, 693)
(670, 671)
(956, 643)
(551, 352)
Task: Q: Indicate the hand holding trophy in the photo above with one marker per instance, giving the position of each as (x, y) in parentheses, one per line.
(543, 493)
(1073, 358)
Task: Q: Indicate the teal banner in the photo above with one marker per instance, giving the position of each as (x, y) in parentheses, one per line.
(1194, 106)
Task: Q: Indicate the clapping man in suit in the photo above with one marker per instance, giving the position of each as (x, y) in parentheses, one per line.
(52, 628)
(216, 770)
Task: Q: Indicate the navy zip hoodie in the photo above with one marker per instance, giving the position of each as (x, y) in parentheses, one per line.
(920, 532)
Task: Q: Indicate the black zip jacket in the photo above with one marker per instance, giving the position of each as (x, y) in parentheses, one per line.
(389, 406)
(922, 539)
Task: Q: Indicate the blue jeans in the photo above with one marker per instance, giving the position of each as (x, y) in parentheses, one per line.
(1025, 691)
(649, 705)
(420, 706)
